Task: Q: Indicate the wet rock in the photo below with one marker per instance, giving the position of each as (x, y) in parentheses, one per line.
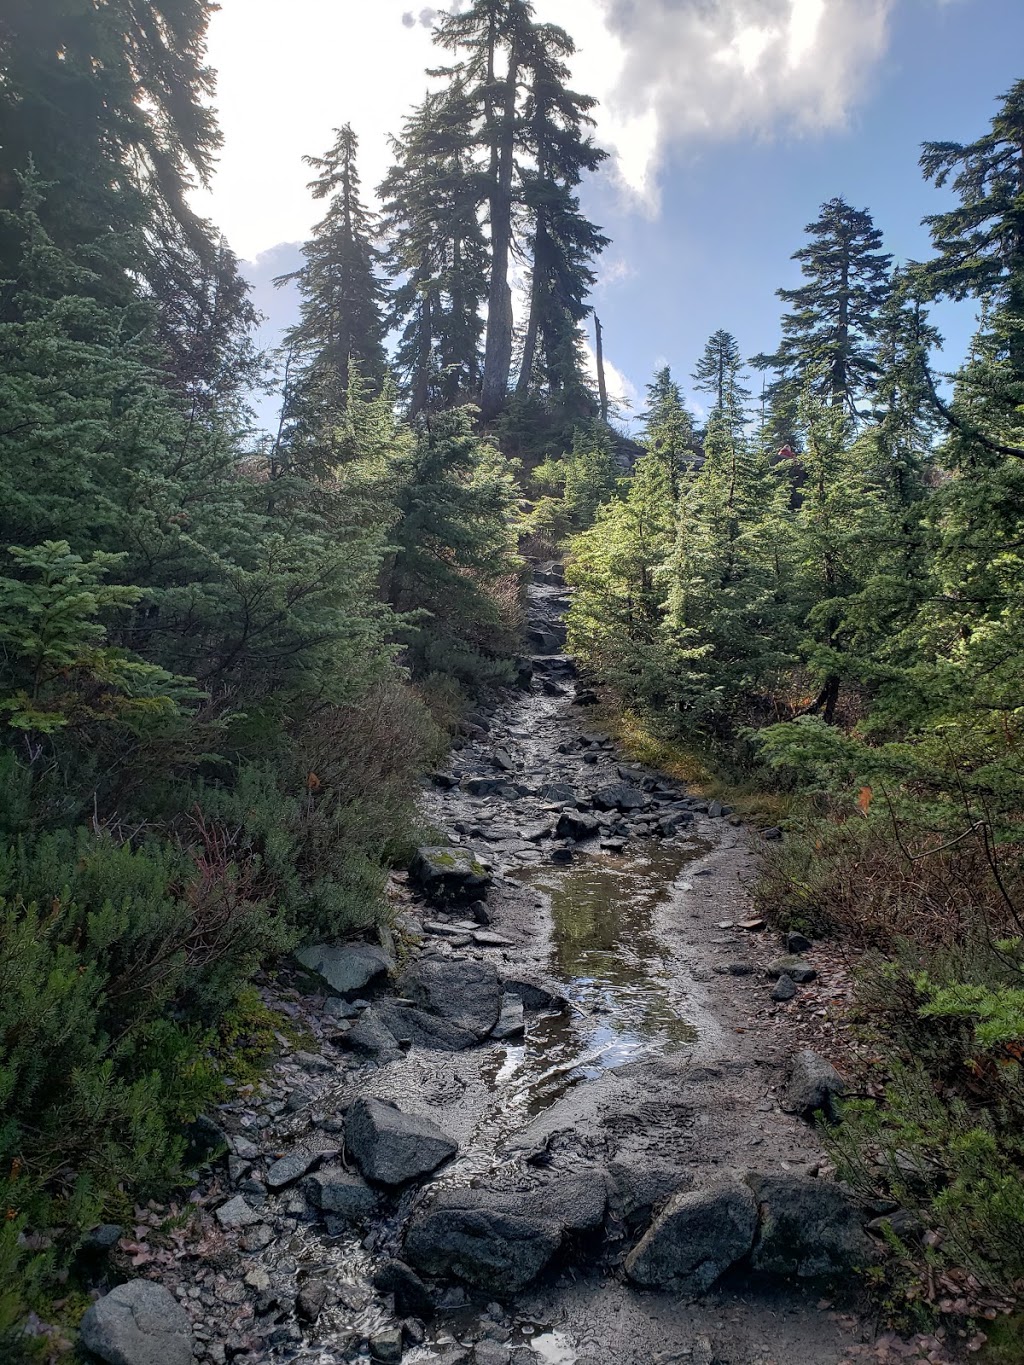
(620, 796)
(237, 1213)
(696, 1239)
(576, 825)
(576, 1201)
(448, 874)
(371, 1036)
(465, 992)
(798, 943)
(512, 1019)
(138, 1323)
(811, 1229)
(391, 1147)
(535, 833)
(311, 1300)
(533, 995)
(561, 855)
(784, 989)
(426, 1030)
(486, 938)
(491, 1353)
(412, 1297)
(469, 1234)
(342, 1193)
(590, 758)
(811, 1084)
(387, 1346)
(348, 969)
(289, 1169)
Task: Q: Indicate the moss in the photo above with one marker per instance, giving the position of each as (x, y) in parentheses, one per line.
(1005, 1342)
(247, 1040)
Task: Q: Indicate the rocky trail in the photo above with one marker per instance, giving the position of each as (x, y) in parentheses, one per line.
(559, 1116)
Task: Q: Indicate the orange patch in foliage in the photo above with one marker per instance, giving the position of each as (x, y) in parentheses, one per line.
(313, 782)
(864, 799)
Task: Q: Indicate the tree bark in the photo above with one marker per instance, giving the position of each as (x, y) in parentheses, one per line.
(498, 349)
(602, 385)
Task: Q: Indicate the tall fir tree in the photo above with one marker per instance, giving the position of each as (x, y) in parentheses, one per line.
(719, 373)
(668, 433)
(829, 332)
(341, 313)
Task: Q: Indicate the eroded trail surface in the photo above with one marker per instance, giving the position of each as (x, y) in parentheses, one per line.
(608, 1173)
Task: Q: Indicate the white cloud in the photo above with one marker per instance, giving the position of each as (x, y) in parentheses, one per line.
(666, 72)
(700, 69)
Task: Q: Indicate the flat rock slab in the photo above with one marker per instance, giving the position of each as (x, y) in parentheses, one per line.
(696, 1238)
(348, 969)
(620, 796)
(391, 1147)
(512, 1019)
(467, 993)
(449, 874)
(237, 1213)
(138, 1323)
(408, 1025)
(289, 1169)
(811, 1229)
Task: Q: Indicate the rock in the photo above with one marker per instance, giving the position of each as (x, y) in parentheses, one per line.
(480, 913)
(620, 796)
(391, 1147)
(100, 1240)
(784, 989)
(482, 786)
(792, 967)
(534, 996)
(512, 1019)
(412, 1298)
(575, 825)
(811, 1084)
(449, 874)
(561, 855)
(348, 969)
(590, 758)
(465, 992)
(138, 1323)
(491, 1353)
(558, 792)
(811, 1229)
(426, 1030)
(798, 943)
(237, 1213)
(443, 780)
(371, 1036)
(585, 697)
(637, 1192)
(523, 673)
(772, 835)
(503, 761)
(342, 1193)
(576, 1202)
(470, 1235)
(387, 1346)
(311, 1300)
(485, 938)
(696, 1238)
(535, 833)
(289, 1169)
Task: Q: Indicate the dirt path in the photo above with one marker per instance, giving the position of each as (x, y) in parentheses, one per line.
(649, 1059)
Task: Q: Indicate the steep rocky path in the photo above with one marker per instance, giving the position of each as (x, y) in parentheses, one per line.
(539, 1122)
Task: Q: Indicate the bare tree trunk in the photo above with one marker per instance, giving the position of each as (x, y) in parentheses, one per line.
(602, 386)
(533, 325)
(498, 350)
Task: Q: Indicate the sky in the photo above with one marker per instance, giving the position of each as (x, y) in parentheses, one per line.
(729, 122)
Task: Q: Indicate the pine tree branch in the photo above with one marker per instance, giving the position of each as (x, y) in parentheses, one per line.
(960, 426)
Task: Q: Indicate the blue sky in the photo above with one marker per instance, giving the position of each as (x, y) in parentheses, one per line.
(730, 120)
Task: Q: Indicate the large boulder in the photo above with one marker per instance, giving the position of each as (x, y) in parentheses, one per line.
(347, 969)
(371, 1036)
(621, 796)
(449, 874)
(465, 992)
(811, 1229)
(412, 1297)
(811, 1084)
(471, 1235)
(697, 1237)
(391, 1147)
(138, 1323)
(575, 825)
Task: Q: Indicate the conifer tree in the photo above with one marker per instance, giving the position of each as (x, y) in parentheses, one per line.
(718, 373)
(668, 430)
(562, 241)
(437, 253)
(341, 314)
(829, 332)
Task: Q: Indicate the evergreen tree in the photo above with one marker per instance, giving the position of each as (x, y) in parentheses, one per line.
(668, 430)
(718, 373)
(111, 102)
(341, 314)
(437, 253)
(562, 242)
(828, 335)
